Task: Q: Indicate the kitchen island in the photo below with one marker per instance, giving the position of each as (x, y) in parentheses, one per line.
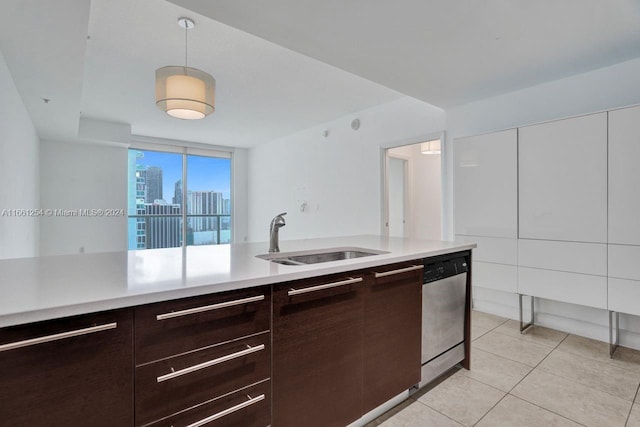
(199, 328)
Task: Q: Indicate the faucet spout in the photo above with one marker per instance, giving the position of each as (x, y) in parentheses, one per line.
(276, 223)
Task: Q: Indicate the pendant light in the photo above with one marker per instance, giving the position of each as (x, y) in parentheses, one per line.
(182, 91)
(430, 147)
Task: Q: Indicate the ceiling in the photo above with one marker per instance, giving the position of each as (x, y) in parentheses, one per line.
(445, 52)
(286, 65)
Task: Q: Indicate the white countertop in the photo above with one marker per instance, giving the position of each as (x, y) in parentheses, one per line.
(43, 288)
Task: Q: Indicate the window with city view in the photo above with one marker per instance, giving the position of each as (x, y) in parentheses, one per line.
(162, 210)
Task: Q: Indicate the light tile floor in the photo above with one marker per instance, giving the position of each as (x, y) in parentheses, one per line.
(542, 378)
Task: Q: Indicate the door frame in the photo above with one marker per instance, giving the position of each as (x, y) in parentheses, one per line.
(384, 177)
(407, 188)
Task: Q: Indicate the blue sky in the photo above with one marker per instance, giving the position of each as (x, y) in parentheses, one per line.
(203, 173)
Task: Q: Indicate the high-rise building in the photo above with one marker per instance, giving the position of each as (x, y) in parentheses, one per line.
(162, 232)
(204, 203)
(177, 193)
(154, 184)
(137, 195)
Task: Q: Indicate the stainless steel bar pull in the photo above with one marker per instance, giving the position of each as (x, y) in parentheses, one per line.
(251, 401)
(218, 306)
(56, 337)
(209, 363)
(349, 281)
(399, 271)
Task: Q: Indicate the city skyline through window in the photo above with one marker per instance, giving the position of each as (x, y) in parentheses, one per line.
(156, 198)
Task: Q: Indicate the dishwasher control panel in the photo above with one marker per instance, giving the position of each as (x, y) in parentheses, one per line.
(438, 270)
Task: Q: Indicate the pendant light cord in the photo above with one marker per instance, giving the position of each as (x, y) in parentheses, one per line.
(186, 31)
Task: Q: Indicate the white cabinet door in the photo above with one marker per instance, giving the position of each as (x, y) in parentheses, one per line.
(563, 180)
(574, 288)
(624, 176)
(574, 257)
(485, 185)
(499, 277)
(624, 296)
(497, 250)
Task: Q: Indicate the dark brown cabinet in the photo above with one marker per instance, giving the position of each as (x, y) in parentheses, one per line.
(345, 344)
(68, 372)
(392, 332)
(318, 345)
(198, 358)
(314, 352)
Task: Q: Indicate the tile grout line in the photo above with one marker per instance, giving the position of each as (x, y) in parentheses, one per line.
(529, 373)
(607, 360)
(435, 410)
(632, 405)
(490, 409)
(587, 385)
(548, 410)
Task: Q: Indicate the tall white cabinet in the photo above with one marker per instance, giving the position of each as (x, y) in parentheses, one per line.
(555, 209)
(563, 180)
(486, 205)
(624, 210)
(562, 171)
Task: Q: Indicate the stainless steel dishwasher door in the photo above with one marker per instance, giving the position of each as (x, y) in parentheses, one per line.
(443, 303)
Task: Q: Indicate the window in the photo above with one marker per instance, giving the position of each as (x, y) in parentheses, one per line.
(162, 210)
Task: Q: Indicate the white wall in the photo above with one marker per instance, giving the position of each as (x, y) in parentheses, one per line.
(339, 177)
(425, 185)
(599, 90)
(19, 176)
(83, 176)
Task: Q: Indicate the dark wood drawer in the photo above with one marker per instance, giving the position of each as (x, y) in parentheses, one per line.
(170, 328)
(392, 332)
(248, 407)
(174, 384)
(317, 360)
(67, 372)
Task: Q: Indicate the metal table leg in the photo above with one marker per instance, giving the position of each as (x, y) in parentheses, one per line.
(613, 345)
(523, 326)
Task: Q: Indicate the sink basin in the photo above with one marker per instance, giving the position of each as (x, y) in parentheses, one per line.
(319, 256)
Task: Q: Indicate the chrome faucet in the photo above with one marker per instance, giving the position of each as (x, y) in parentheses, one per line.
(276, 223)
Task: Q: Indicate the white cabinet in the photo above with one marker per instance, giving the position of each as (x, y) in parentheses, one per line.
(624, 279)
(574, 288)
(493, 249)
(485, 185)
(585, 258)
(499, 277)
(624, 176)
(565, 271)
(563, 180)
(624, 262)
(624, 296)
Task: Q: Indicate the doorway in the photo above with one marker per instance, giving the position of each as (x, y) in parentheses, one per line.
(398, 183)
(413, 190)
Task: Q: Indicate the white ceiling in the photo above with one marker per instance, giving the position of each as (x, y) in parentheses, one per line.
(445, 52)
(264, 91)
(271, 59)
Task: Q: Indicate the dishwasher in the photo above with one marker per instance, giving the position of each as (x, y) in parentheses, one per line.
(444, 296)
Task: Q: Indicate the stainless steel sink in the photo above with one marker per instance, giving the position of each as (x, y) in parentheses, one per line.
(319, 256)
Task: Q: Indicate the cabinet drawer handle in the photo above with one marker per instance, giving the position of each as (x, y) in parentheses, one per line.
(349, 281)
(251, 401)
(209, 363)
(399, 271)
(56, 337)
(180, 313)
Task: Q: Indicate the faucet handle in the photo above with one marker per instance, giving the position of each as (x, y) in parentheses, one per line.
(282, 214)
